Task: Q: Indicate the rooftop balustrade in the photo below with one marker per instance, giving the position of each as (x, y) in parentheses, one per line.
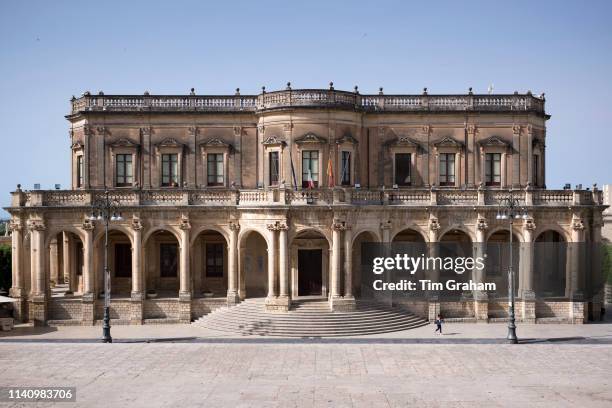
(305, 197)
(313, 98)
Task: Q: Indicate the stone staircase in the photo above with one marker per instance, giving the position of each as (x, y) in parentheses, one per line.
(309, 318)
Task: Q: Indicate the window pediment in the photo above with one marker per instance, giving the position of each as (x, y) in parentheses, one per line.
(310, 138)
(273, 141)
(124, 143)
(403, 141)
(539, 143)
(348, 139)
(77, 146)
(170, 142)
(493, 141)
(448, 141)
(215, 143)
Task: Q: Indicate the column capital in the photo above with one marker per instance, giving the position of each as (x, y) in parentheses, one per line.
(136, 223)
(577, 223)
(386, 225)
(529, 224)
(277, 226)
(338, 225)
(434, 223)
(234, 226)
(481, 224)
(88, 225)
(471, 129)
(184, 223)
(36, 225)
(15, 225)
(516, 129)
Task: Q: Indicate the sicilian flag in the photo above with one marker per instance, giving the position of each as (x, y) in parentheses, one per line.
(310, 181)
(330, 174)
(295, 185)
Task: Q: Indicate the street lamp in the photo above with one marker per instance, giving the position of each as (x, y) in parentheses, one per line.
(509, 209)
(105, 209)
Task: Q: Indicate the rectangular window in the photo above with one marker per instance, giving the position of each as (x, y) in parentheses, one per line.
(214, 260)
(79, 171)
(168, 260)
(447, 169)
(215, 169)
(535, 171)
(493, 169)
(123, 261)
(123, 170)
(273, 165)
(402, 169)
(170, 170)
(345, 176)
(310, 168)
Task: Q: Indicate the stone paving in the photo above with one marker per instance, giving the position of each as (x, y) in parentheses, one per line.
(556, 368)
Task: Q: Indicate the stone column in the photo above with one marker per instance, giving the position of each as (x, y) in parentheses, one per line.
(184, 275)
(17, 289)
(271, 298)
(597, 280)
(67, 263)
(89, 297)
(54, 273)
(38, 305)
(137, 295)
(577, 310)
(348, 266)
(433, 301)
(232, 270)
(530, 168)
(481, 298)
(472, 154)
(516, 156)
(284, 298)
(526, 275)
(335, 260)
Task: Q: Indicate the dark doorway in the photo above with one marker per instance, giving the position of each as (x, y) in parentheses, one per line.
(310, 272)
(123, 260)
(168, 260)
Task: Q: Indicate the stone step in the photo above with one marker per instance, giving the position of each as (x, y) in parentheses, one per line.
(309, 318)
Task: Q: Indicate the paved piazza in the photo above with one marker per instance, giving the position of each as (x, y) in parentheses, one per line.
(387, 371)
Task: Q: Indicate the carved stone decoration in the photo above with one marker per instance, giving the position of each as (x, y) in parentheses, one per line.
(215, 142)
(338, 225)
(273, 141)
(447, 141)
(311, 138)
(516, 129)
(529, 224)
(15, 225)
(136, 223)
(481, 223)
(277, 226)
(77, 146)
(386, 225)
(493, 141)
(145, 131)
(403, 141)
(261, 129)
(577, 223)
(88, 225)
(434, 223)
(471, 129)
(87, 130)
(36, 225)
(101, 130)
(123, 142)
(184, 223)
(192, 130)
(348, 139)
(426, 129)
(234, 226)
(287, 127)
(538, 143)
(169, 142)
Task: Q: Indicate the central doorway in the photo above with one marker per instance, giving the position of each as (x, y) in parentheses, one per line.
(310, 272)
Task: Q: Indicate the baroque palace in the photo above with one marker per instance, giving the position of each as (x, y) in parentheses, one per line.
(230, 197)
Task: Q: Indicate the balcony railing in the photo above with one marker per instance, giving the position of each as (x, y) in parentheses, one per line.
(321, 98)
(305, 197)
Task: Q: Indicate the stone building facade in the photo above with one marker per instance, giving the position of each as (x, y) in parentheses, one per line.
(271, 195)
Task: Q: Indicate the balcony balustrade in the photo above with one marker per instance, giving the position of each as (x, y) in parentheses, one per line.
(416, 197)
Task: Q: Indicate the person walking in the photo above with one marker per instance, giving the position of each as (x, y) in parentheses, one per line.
(439, 322)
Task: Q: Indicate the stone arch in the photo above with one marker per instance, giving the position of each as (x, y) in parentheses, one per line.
(309, 252)
(195, 232)
(63, 259)
(294, 233)
(150, 231)
(550, 263)
(357, 267)
(516, 232)
(99, 235)
(161, 248)
(470, 234)
(50, 233)
(417, 233)
(120, 249)
(245, 231)
(371, 231)
(552, 227)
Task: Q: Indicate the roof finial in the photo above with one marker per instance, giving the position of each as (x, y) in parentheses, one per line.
(470, 91)
(380, 90)
(331, 86)
(263, 89)
(288, 86)
(237, 91)
(356, 89)
(424, 91)
(192, 91)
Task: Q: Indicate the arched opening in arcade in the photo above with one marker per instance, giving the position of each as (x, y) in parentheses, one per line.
(65, 256)
(119, 264)
(359, 264)
(209, 260)
(550, 265)
(497, 263)
(455, 244)
(161, 265)
(253, 266)
(309, 262)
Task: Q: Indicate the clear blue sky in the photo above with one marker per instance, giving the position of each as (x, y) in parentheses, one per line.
(51, 50)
